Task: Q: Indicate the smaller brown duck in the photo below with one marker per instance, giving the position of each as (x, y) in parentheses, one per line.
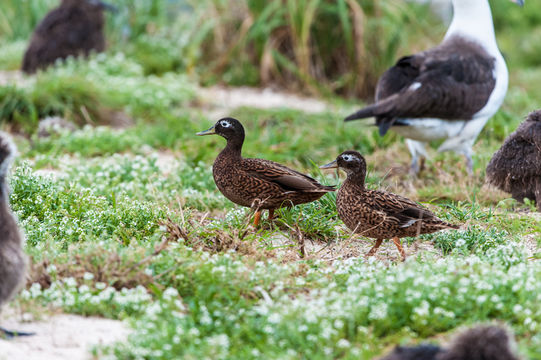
(379, 214)
(257, 183)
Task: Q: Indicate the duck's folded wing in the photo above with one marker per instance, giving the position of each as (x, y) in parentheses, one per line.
(288, 179)
(405, 211)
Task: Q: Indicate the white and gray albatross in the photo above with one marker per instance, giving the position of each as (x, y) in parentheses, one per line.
(445, 93)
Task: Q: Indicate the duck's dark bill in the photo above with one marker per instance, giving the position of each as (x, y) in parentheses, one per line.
(331, 165)
(207, 132)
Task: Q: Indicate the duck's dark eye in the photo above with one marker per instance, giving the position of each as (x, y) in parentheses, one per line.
(348, 158)
(225, 124)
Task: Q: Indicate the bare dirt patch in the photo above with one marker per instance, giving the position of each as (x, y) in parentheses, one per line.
(60, 337)
(14, 77)
(219, 100)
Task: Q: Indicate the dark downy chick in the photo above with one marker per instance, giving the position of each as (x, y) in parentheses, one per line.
(12, 258)
(74, 28)
(516, 167)
(485, 342)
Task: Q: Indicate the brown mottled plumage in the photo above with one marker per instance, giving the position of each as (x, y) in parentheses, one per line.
(516, 167)
(379, 214)
(12, 258)
(72, 29)
(258, 183)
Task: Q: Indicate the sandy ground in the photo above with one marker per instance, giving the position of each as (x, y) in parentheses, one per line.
(59, 337)
(220, 100)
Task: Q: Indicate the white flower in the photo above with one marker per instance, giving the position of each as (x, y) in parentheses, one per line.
(378, 311)
(274, 318)
(170, 293)
(88, 276)
(343, 344)
(70, 282)
(423, 309)
(219, 340)
(338, 324)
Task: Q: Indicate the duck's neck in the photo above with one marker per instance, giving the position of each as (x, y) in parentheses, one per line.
(356, 179)
(233, 149)
(473, 19)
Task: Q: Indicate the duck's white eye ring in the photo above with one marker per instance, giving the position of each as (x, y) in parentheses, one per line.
(348, 157)
(225, 124)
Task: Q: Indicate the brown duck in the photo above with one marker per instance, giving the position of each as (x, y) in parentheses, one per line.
(12, 257)
(379, 214)
(257, 183)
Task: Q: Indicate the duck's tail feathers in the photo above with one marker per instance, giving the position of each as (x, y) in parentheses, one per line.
(451, 226)
(7, 152)
(319, 189)
(329, 188)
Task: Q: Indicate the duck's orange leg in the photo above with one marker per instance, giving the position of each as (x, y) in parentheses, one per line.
(271, 214)
(372, 251)
(400, 248)
(257, 218)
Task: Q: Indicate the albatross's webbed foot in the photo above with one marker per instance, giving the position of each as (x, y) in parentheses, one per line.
(418, 155)
(8, 334)
(469, 164)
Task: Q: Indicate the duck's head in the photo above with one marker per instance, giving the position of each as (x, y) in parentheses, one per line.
(352, 162)
(228, 128)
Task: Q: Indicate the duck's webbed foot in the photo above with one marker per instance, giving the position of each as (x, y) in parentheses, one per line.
(257, 218)
(400, 248)
(271, 214)
(374, 248)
